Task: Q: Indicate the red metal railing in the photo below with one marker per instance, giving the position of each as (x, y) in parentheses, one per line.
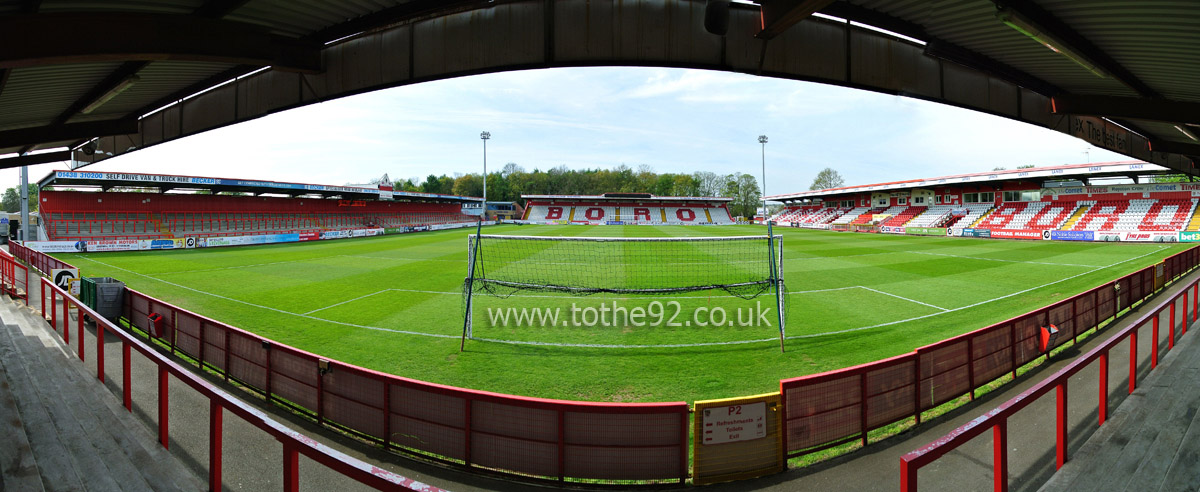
(39, 261)
(440, 422)
(294, 443)
(13, 277)
(540, 438)
(544, 439)
(836, 407)
(997, 419)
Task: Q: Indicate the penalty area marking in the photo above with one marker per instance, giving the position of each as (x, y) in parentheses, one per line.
(582, 345)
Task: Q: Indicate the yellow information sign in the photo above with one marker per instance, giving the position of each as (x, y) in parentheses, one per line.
(737, 438)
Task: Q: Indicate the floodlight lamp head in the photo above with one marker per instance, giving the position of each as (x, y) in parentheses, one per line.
(485, 135)
(762, 139)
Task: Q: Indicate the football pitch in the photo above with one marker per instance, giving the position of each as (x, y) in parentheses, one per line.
(394, 304)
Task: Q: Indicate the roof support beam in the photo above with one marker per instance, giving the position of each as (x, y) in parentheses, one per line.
(208, 83)
(110, 83)
(69, 131)
(938, 48)
(1172, 147)
(45, 39)
(32, 159)
(1076, 43)
(779, 15)
(1128, 107)
(216, 9)
(393, 15)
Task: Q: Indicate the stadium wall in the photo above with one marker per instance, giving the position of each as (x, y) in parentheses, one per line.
(610, 443)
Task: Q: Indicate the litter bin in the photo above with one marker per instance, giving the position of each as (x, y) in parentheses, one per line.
(156, 325)
(1049, 334)
(105, 295)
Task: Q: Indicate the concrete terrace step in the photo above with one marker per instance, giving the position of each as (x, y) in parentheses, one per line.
(18, 468)
(79, 435)
(1152, 441)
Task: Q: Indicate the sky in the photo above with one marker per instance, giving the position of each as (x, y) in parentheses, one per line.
(674, 120)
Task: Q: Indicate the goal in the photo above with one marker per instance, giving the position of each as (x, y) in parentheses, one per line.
(742, 266)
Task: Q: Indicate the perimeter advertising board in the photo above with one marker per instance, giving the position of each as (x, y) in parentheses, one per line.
(1016, 233)
(925, 231)
(57, 246)
(146, 244)
(1189, 237)
(969, 232)
(113, 245)
(1072, 235)
(1152, 237)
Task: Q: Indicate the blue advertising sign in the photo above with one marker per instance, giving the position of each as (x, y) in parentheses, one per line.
(1072, 235)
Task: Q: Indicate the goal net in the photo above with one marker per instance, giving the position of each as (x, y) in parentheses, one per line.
(745, 267)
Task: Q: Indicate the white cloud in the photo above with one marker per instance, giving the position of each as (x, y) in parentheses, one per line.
(674, 120)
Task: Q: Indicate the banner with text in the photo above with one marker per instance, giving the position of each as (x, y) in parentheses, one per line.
(1016, 234)
(925, 231)
(1072, 235)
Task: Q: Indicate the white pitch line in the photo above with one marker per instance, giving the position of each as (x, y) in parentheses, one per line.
(843, 256)
(736, 342)
(903, 298)
(1005, 261)
(347, 301)
(464, 260)
(268, 308)
(890, 323)
(236, 267)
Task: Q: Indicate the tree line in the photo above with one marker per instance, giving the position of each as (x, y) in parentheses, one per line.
(11, 201)
(512, 181)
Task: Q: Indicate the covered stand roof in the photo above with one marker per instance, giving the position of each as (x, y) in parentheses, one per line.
(164, 182)
(1071, 174)
(112, 76)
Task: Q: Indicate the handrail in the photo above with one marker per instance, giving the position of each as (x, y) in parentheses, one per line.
(294, 443)
(1137, 287)
(997, 418)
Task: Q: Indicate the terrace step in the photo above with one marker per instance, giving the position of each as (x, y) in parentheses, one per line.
(1194, 223)
(1152, 439)
(79, 436)
(984, 216)
(1079, 212)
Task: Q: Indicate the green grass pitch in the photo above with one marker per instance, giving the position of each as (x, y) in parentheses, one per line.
(394, 304)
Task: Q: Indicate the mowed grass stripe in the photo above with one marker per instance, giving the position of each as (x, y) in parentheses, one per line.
(309, 276)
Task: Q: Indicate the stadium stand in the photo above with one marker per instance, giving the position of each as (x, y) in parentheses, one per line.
(853, 214)
(813, 216)
(904, 216)
(792, 215)
(866, 217)
(1052, 215)
(111, 215)
(602, 210)
(1103, 215)
(1029, 215)
(931, 216)
(974, 212)
(1168, 215)
(1003, 217)
(1137, 214)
